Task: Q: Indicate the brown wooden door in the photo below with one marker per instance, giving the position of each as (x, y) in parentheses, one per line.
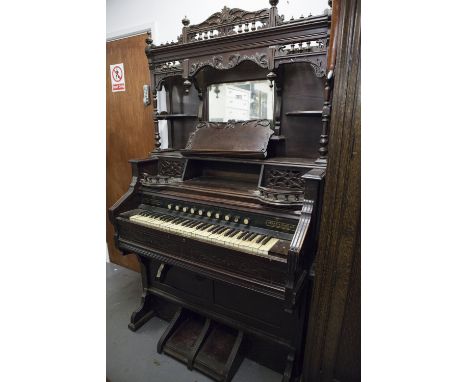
(129, 131)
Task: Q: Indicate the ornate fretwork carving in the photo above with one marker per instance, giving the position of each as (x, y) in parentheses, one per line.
(169, 171)
(233, 60)
(156, 180)
(231, 16)
(282, 186)
(318, 63)
(284, 178)
(170, 168)
(312, 46)
(312, 52)
(164, 70)
(227, 22)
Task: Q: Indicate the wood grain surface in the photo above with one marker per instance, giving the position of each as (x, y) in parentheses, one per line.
(129, 127)
(333, 338)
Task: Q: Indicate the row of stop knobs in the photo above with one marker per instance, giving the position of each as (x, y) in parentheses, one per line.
(210, 214)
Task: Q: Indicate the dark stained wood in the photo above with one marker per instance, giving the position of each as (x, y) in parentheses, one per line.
(259, 186)
(128, 127)
(333, 338)
(296, 50)
(336, 4)
(248, 139)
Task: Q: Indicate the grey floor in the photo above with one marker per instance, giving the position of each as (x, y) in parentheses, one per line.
(132, 356)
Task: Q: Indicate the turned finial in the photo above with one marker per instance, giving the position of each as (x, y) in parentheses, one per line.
(273, 3)
(185, 21)
(148, 39)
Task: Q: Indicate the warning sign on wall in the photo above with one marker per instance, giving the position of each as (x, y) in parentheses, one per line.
(117, 78)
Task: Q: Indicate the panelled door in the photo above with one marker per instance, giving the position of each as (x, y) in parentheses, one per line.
(129, 131)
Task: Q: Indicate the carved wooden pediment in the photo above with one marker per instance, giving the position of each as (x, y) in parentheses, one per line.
(230, 16)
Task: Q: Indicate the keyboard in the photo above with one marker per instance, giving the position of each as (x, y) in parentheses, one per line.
(245, 239)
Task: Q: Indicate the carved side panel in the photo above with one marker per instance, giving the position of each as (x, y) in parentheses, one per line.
(284, 178)
(282, 186)
(170, 168)
(169, 171)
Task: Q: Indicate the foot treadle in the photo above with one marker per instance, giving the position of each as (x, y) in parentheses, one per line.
(203, 344)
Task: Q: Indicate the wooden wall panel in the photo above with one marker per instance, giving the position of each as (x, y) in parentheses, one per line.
(333, 336)
(129, 131)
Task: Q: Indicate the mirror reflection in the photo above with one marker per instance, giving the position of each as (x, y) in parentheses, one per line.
(240, 101)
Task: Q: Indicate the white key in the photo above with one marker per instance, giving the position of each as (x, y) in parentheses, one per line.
(264, 249)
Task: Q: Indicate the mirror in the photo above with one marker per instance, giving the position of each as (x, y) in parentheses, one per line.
(240, 101)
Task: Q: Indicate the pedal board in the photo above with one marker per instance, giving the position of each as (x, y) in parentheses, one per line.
(203, 344)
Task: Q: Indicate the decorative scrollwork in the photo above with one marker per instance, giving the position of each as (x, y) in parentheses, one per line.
(156, 180)
(311, 51)
(233, 60)
(280, 197)
(229, 16)
(317, 62)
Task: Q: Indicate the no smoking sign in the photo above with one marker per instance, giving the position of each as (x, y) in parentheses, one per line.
(117, 77)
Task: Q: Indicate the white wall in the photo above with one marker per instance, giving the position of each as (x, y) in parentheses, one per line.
(164, 17)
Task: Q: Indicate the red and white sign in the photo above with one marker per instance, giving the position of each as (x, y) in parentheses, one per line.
(117, 77)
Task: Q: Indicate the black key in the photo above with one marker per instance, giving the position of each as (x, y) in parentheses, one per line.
(250, 236)
(260, 238)
(234, 233)
(226, 233)
(212, 228)
(207, 227)
(244, 234)
(188, 221)
(266, 240)
(221, 231)
(253, 238)
(218, 229)
(193, 224)
(202, 227)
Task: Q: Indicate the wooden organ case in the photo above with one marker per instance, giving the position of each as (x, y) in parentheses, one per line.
(224, 222)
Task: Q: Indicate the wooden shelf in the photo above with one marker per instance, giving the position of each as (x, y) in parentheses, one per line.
(175, 116)
(277, 138)
(304, 113)
(287, 161)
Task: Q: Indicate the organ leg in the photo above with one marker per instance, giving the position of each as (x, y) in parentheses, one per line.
(146, 310)
(289, 368)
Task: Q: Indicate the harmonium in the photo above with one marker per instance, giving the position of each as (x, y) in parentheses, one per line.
(224, 215)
